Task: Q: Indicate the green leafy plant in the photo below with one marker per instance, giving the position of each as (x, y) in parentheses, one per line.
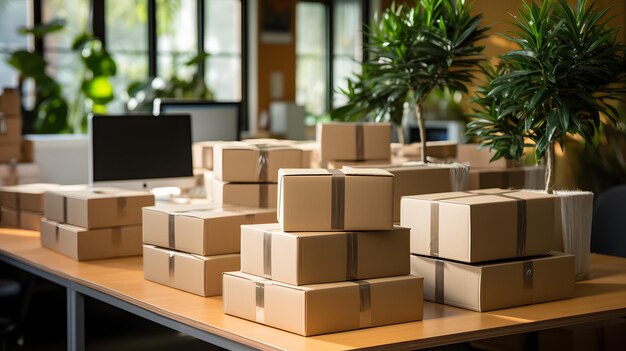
(567, 71)
(51, 109)
(411, 51)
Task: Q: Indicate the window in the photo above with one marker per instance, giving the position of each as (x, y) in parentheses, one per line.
(348, 45)
(14, 16)
(177, 37)
(311, 57)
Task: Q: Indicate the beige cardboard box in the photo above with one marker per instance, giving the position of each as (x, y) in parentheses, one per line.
(513, 178)
(424, 179)
(480, 158)
(438, 149)
(10, 102)
(26, 197)
(246, 163)
(323, 308)
(200, 229)
(97, 207)
(200, 275)
(10, 129)
(19, 173)
(90, 244)
(470, 227)
(202, 153)
(495, 285)
(10, 152)
(327, 200)
(354, 141)
(20, 219)
(260, 195)
(311, 156)
(294, 258)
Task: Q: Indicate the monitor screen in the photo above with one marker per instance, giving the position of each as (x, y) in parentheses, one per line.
(139, 147)
(210, 121)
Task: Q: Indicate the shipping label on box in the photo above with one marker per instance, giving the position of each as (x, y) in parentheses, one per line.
(20, 219)
(259, 195)
(247, 163)
(97, 207)
(200, 275)
(474, 227)
(200, 229)
(496, 285)
(90, 244)
(294, 258)
(323, 308)
(327, 200)
(354, 141)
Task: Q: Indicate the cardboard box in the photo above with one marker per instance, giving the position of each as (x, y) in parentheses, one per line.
(10, 152)
(294, 258)
(354, 141)
(357, 164)
(424, 179)
(202, 154)
(481, 158)
(28, 151)
(495, 285)
(200, 229)
(196, 274)
(90, 244)
(438, 149)
(471, 227)
(19, 173)
(327, 200)
(311, 156)
(242, 162)
(323, 308)
(97, 207)
(20, 219)
(513, 178)
(11, 102)
(26, 197)
(260, 195)
(10, 129)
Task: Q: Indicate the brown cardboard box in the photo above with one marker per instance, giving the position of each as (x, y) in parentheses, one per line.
(242, 162)
(260, 195)
(327, 200)
(90, 244)
(514, 178)
(200, 229)
(202, 153)
(354, 141)
(495, 285)
(11, 102)
(19, 173)
(438, 149)
(470, 227)
(20, 219)
(480, 158)
(97, 207)
(28, 151)
(323, 308)
(26, 197)
(311, 157)
(10, 129)
(424, 179)
(196, 274)
(294, 258)
(10, 152)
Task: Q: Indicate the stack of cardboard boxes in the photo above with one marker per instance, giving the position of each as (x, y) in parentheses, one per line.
(22, 206)
(488, 249)
(333, 262)
(94, 223)
(188, 247)
(348, 144)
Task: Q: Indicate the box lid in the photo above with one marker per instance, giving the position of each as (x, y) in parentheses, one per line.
(348, 172)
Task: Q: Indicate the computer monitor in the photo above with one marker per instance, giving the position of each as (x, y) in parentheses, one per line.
(210, 121)
(140, 151)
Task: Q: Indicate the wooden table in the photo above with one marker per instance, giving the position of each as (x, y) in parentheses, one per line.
(120, 282)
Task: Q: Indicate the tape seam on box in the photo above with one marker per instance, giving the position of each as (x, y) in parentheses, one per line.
(171, 264)
(263, 158)
(263, 195)
(439, 281)
(338, 199)
(352, 255)
(116, 237)
(64, 209)
(365, 303)
(260, 301)
(360, 143)
(522, 220)
(267, 254)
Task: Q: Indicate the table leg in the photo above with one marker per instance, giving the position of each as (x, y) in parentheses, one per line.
(75, 320)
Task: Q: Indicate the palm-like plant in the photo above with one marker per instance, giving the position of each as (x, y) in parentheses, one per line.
(566, 72)
(411, 51)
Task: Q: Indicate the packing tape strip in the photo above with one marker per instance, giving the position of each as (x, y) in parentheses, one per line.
(121, 202)
(260, 301)
(262, 163)
(263, 195)
(522, 224)
(56, 233)
(439, 287)
(360, 142)
(338, 199)
(64, 209)
(529, 274)
(116, 237)
(365, 303)
(4, 129)
(171, 230)
(267, 254)
(434, 229)
(171, 264)
(206, 151)
(351, 255)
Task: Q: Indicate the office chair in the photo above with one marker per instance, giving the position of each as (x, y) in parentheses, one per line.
(608, 231)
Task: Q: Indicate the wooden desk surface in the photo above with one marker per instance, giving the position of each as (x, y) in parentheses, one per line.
(603, 296)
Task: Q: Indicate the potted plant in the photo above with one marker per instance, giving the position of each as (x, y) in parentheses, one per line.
(411, 51)
(565, 74)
